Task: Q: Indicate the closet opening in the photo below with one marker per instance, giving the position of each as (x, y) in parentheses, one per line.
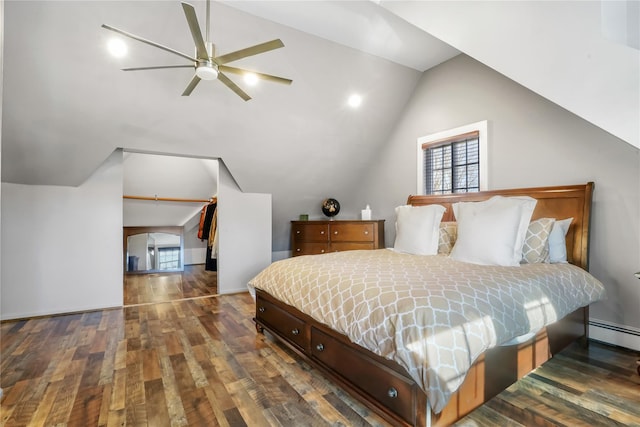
(169, 228)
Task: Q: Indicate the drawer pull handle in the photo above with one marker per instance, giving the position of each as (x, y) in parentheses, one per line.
(298, 250)
(322, 232)
(392, 393)
(335, 232)
(322, 251)
(366, 232)
(261, 309)
(297, 231)
(320, 347)
(295, 331)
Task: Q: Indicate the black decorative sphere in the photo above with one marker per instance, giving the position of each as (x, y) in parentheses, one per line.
(330, 207)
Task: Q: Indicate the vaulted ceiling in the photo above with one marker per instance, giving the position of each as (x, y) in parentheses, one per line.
(67, 105)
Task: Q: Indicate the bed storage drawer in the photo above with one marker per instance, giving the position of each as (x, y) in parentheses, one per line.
(394, 392)
(284, 323)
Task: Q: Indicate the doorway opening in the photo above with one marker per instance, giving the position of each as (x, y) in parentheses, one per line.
(166, 257)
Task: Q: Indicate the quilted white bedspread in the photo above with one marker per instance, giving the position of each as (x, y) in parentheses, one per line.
(432, 315)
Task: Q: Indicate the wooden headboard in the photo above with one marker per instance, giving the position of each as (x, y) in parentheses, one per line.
(553, 202)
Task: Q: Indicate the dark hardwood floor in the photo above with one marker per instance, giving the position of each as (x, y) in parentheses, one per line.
(598, 386)
(200, 362)
(193, 282)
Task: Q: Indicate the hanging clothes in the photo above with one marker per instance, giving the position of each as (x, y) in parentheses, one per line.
(210, 210)
(203, 214)
(209, 228)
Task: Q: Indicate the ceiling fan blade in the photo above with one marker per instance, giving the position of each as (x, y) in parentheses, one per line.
(159, 67)
(249, 51)
(149, 42)
(192, 84)
(262, 76)
(234, 87)
(192, 20)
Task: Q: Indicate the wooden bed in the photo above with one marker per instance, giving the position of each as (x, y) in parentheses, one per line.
(385, 386)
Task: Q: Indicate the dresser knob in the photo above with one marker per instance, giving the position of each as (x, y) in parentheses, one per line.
(322, 232)
(392, 393)
(366, 232)
(297, 231)
(322, 251)
(261, 309)
(335, 232)
(320, 347)
(298, 250)
(295, 331)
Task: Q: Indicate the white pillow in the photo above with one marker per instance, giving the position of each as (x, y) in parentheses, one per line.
(557, 241)
(492, 232)
(417, 229)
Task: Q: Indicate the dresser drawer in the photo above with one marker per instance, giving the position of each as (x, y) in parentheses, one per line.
(351, 232)
(284, 323)
(396, 393)
(319, 237)
(350, 246)
(309, 248)
(310, 232)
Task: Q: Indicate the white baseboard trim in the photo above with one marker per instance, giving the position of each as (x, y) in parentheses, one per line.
(612, 333)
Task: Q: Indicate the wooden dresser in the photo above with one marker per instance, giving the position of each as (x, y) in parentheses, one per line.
(319, 237)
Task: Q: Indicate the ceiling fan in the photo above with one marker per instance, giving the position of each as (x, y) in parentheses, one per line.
(207, 65)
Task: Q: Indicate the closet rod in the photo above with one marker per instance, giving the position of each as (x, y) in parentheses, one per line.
(169, 199)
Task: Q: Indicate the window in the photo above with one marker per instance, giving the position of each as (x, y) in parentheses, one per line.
(453, 161)
(452, 165)
(168, 258)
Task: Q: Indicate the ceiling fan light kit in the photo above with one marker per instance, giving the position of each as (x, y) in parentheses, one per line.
(206, 65)
(207, 71)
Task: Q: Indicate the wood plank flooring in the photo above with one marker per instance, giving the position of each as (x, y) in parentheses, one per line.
(193, 282)
(200, 362)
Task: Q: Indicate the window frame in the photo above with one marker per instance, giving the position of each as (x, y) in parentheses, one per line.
(480, 127)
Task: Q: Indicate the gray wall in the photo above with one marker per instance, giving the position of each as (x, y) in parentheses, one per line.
(62, 246)
(532, 142)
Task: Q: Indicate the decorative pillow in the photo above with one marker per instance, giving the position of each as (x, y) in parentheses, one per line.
(448, 234)
(536, 243)
(558, 242)
(492, 232)
(417, 229)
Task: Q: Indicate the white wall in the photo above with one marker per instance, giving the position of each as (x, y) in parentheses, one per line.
(244, 234)
(1, 85)
(532, 142)
(165, 176)
(195, 250)
(137, 246)
(555, 48)
(62, 246)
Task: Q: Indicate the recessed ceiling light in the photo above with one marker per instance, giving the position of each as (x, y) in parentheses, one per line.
(355, 100)
(251, 79)
(117, 47)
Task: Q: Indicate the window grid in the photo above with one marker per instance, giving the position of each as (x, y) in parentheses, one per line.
(168, 258)
(453, 166)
